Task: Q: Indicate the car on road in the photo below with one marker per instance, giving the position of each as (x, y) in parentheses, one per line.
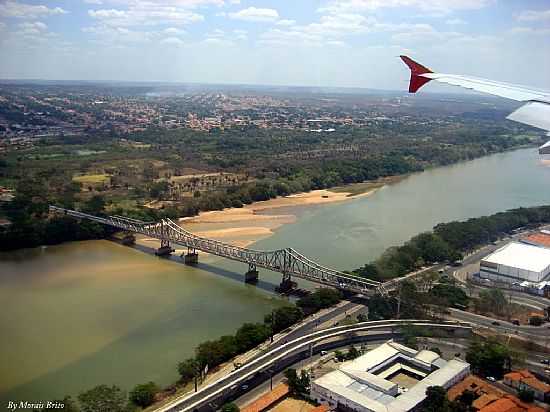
(495, 323)
(491, 379)
(545, 361)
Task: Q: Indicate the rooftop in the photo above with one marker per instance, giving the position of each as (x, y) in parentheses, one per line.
(541, 238)
(509, 403)
(521, 256)
(391, 377)
(528, 379)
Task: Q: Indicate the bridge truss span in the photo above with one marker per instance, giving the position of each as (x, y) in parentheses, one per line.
(287, 261)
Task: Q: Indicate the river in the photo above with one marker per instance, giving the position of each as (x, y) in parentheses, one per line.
(84, 313)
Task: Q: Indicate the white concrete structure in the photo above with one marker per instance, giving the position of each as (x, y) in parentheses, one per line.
(390, 378)
(515, 263)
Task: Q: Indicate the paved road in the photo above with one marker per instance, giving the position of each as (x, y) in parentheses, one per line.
(522, 298)
(308, 325)
(254, 371)
(533, 358)
(314, 321)
(541, 334)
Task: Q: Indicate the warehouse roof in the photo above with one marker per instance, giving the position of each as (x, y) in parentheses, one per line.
(521, 256)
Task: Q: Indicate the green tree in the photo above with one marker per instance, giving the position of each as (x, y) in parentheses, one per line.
(103, 398)
(297, 384)
(188, 369)
(215, 352)
(340, 356)
(250, 335)
(492, 300)
(436, 400)
(159, 189)
(448, 295)
(95, 206)
(284, 317)
(320, 299)
(381, 307)
(144, 394)
(230, 407)
(488, 358)
(352, 353)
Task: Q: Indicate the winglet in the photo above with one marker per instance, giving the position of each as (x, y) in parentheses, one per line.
(417, 69)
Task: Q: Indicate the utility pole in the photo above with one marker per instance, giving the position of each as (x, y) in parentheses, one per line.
(398, 300)
(272, 324)
(198, 370)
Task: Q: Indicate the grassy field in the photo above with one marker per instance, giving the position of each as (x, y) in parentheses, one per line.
(121, 203)
(100, 178)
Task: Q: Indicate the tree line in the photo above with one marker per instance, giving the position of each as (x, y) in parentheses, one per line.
(212, 353)
(447, 242)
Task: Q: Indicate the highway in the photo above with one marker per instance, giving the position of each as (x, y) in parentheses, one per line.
(210, 396)
(539, 333)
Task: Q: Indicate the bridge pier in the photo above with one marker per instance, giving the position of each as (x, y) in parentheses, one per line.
(252, 275)
(129, 239)
(191, 257)
(165, 248)
(286, 284)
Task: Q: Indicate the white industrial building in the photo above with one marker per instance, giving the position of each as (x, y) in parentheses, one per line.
(515, 263)
(390, 378)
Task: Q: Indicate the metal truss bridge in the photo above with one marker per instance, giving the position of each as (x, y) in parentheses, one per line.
(286, 261)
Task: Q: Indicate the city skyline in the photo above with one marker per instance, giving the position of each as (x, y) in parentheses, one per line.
(331, 43)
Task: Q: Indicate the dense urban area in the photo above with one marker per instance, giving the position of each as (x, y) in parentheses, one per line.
(464, 325)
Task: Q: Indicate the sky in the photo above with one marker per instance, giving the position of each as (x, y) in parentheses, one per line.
(324, 43)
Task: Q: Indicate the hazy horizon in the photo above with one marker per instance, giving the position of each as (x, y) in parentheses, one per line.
(311, 43)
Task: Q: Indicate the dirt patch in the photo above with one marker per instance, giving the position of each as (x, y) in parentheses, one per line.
(293, 405)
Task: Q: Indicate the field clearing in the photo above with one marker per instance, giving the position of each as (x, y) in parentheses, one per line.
(126, 204)
(292, 405)
(100, 178)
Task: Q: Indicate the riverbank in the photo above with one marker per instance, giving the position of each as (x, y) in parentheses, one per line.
(244, 226)
(259, 220)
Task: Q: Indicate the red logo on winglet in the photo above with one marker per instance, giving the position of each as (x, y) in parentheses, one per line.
(416, 69)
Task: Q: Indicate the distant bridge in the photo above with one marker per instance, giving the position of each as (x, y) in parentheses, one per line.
(286, 261)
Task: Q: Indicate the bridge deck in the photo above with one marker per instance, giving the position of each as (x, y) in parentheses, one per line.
(287, 261)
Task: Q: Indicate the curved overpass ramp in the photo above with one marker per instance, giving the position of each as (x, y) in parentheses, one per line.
(215, 394)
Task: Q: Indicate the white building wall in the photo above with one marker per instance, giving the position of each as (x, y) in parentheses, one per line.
(513, 275)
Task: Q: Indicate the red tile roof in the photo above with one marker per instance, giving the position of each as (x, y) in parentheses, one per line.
(509, 403)
(538, 238)
(265, 401)
(527, 378)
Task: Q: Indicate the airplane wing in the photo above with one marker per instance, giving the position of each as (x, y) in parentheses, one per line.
(535, 112)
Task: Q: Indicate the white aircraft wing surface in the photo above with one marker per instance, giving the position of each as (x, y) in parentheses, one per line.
(535, 112)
